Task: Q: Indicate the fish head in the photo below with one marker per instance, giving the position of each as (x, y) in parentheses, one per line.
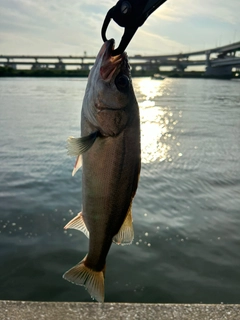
(109, 95)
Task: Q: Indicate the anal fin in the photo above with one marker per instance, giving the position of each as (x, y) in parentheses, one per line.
(126, 234)
(78, 224)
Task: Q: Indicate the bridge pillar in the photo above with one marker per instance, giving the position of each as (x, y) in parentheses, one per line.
(151, 66)
(133, 68)
(180, 65)
(224, 72)
(208, 59)
(84, 67)
(11, 65)
(219, 72)
(36, 66)
(60, 65)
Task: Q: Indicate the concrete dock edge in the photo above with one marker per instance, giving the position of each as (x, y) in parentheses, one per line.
(27, 310)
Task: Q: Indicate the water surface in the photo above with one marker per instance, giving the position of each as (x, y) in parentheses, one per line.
(186, 211)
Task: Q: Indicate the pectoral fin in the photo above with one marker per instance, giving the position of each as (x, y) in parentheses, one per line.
(78, 224)
(126, 234)
(77, 146)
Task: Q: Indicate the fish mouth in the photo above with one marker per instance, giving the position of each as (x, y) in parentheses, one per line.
(111, 65)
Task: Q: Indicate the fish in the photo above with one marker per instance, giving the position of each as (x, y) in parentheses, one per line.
(109, 153)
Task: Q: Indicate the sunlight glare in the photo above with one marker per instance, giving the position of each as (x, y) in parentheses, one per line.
(154, 121)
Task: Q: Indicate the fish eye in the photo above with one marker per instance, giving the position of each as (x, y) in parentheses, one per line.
(122, 82)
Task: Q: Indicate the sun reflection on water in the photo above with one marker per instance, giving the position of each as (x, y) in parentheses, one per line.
(156, 121)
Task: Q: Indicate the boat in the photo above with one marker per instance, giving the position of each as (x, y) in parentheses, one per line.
(157, 76)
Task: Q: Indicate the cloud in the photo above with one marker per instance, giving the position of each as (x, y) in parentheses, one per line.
(154, 44)
(221, 10)
(73, 26)
(71, 22)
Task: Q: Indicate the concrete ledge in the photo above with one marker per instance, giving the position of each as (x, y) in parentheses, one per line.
(27, 310)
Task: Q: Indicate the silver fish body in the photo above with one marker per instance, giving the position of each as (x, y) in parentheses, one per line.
(110, 151)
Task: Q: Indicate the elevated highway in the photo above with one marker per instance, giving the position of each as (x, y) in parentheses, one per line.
(220, 50)
(224, 62)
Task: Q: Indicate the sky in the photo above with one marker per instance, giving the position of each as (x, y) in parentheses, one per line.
(72, 27)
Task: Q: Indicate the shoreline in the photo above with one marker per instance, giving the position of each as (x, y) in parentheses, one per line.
(9, 72)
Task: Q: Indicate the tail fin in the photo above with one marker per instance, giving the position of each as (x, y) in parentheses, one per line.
(92, 280)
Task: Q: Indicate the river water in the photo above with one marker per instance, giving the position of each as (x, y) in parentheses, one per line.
(186, 211)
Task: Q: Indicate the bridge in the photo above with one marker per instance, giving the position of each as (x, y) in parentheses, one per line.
(225, 59)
